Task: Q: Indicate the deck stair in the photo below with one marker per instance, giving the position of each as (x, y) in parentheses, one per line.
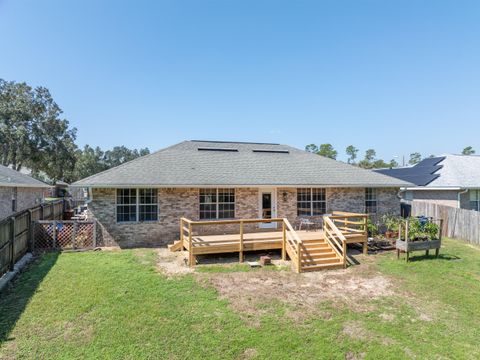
(318, 255)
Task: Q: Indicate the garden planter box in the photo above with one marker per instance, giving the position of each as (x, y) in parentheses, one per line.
(428, 229)
(418, 245)
(409, 246)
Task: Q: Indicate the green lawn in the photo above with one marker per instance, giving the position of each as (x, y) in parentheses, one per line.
(117, 305)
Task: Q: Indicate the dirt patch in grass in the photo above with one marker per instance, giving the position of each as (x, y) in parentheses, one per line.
(172, 263)
(248, 291)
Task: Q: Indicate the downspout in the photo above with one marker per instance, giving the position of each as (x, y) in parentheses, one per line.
(400, 192)
(459, 196)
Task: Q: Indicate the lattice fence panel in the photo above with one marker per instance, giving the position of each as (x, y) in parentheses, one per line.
(64, 235)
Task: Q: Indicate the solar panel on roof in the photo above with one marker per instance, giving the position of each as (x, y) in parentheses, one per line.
(421, 174)
(217, 149)
(271, 151)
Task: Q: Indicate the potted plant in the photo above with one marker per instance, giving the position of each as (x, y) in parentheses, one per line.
(372, 228)
(392, 224)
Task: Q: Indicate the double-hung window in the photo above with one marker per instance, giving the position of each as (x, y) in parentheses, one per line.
(217, 204)
(135, 205)
(311, 201)
(475, 200)
(371, 201)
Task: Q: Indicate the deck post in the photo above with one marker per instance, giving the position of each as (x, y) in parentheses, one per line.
(406, 239)
(191, 258)
(344, 246)
(240, 256)
(284, 241)
(181, 234)
(299, 259)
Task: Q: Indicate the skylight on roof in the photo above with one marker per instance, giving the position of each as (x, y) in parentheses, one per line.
(217, 149)
(271, 151)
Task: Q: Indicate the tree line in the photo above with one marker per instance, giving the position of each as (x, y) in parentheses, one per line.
(370, 160)
(33, 135)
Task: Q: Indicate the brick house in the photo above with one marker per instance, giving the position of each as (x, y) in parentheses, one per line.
(141, 202)
(19, 191)
(450, 180)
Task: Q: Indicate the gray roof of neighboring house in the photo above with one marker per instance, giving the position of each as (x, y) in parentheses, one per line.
(217, 163)
(449, 171)
(10, 177)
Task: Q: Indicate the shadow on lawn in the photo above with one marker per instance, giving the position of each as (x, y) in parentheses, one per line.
(14, 300)
(444, 257)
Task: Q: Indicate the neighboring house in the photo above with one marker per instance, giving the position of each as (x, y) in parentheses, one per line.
(141, 202)
(18, 191)
(452, 180)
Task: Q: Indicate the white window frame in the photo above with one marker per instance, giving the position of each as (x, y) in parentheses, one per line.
(373, 199)
(311, 201)
(217, 203)
(476, 200)
(137, 206)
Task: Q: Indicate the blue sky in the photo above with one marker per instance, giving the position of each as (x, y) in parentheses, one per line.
(397, 76)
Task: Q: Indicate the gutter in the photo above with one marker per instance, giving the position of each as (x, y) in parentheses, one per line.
(140, 186)
(459, 196)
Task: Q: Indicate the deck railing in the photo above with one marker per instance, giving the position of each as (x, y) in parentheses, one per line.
(334, 237)
(291, 242)
(350, 223)
(340, 226)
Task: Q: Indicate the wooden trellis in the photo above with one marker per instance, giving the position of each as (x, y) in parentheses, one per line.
(64, 235)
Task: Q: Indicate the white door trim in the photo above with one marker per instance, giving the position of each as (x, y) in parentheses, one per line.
(273, 191)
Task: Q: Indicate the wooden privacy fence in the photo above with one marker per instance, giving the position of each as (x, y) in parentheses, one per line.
(16, 232)
(457, 223)
(63, 235)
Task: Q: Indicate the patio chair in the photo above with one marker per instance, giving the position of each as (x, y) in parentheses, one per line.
(307, 224)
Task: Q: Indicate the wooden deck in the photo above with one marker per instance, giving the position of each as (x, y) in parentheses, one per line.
(264, 240)
(307, 250)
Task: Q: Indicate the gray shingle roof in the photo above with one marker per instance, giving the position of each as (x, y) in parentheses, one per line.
(10, 177)
(214, 163)
(448, 171)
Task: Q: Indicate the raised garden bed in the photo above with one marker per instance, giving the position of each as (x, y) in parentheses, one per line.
(420, 235)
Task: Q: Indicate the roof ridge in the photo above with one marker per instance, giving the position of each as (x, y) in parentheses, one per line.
(233, 142)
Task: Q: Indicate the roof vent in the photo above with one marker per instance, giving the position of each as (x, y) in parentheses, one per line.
(217, 149)
(271, 151)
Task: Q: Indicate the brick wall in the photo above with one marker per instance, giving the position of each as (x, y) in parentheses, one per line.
(178, 202)
(26, 198)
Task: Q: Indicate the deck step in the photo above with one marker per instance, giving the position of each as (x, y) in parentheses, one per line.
(176, 246)
(338, 265)
(317, 247)
(313, 241)
(318, 251)
(329, 260)
(319, 256)
(306, 241)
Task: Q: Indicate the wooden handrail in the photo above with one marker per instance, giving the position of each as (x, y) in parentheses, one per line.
(347, 214)
(335, 238)
(226, 222)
